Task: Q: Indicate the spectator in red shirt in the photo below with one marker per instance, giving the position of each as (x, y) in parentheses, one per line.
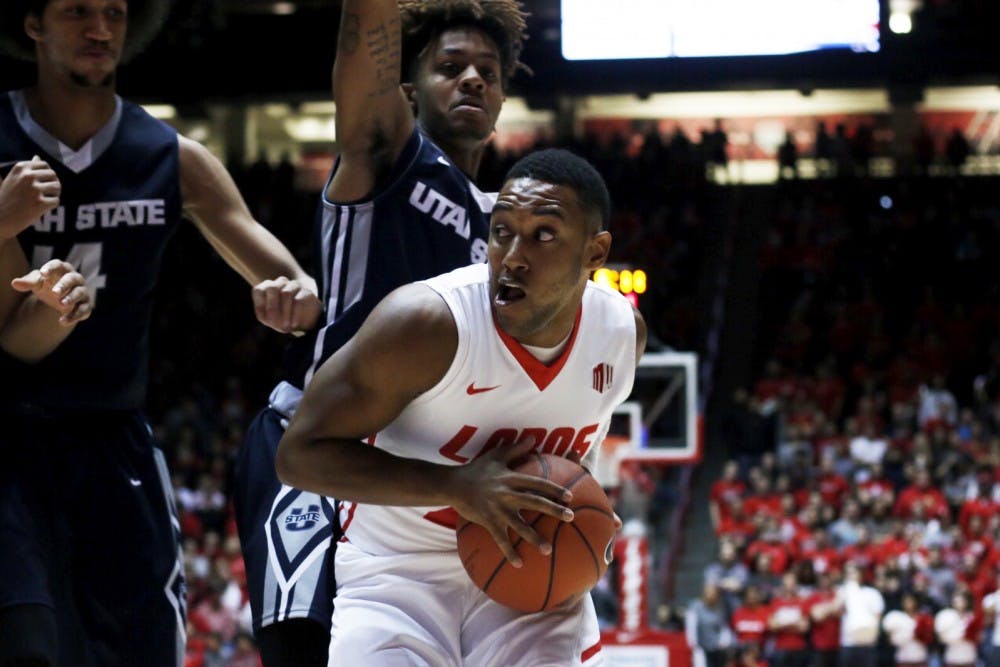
(832, 487)
(737, 527)
(874, 485)
(863, 553)
(749, 620)
(762, 499)
(824, 615)
(770, 543)
(980, 505)
(822, 555)
(789, 624)
(725, 491)
(921, 492)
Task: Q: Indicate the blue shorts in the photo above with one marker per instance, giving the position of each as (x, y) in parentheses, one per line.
(286, 534)
(88, 528)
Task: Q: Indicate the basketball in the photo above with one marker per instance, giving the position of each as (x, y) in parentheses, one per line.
(581, 549)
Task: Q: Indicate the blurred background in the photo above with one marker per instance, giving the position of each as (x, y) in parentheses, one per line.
(806, 213)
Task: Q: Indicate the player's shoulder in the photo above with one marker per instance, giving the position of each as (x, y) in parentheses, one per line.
(136, 116)
(603, 296)
(412, 310)
(461, 278)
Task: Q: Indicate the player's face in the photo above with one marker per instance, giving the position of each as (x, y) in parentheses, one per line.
(541, 252)
(459, 90)
(81, 39)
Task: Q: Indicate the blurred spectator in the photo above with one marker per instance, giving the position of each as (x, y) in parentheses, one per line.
(788, 158)
(859, 624)
(910, 631)
(789, 624)
(728, 574)
(958, 628)
(824, 613)
(707, 628)
(750, 619)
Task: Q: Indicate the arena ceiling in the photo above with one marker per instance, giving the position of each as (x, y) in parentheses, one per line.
(282, 50)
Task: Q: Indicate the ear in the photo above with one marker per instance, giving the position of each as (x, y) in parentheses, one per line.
(33, 27)
(411, 95)
(597, 251)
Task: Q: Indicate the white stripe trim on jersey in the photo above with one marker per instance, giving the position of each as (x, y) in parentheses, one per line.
(354, 230)
(74, 160)
(486, 200)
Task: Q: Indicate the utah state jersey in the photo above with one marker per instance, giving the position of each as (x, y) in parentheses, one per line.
(428, 219)
(120, 203)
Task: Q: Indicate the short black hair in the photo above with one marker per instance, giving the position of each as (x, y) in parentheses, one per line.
(145, 18)
(424, 21)
(561, 167)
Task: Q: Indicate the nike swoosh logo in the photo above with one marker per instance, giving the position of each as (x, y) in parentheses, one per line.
(135, 482)
(473, 389)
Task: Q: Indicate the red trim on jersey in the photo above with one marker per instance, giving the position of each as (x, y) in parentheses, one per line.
(539, 373)
(591, 652)
(347, 523)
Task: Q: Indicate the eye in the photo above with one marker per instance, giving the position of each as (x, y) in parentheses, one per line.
(488, 75)
(544, 234)
(450, 69)
(116, 13)
(76, 11)
(501, 232)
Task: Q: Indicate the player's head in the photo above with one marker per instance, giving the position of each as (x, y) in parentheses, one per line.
(458, 56)
(85, 38)
(547, 235)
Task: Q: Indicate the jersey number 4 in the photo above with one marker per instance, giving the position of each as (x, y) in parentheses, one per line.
(84, 257)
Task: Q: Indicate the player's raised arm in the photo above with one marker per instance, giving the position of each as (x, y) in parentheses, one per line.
(404, 348)
(374, 119)
(284, 294)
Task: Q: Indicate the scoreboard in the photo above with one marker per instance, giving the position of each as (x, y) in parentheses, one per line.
(629, 281)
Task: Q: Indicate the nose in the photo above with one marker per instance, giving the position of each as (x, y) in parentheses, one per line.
(514, 259)
(472, 79)
(98, 28)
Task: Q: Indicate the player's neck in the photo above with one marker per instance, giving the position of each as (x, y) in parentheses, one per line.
(49, 100)
(466, 159)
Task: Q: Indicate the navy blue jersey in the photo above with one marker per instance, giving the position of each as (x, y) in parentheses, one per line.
(120, 203)
(428, 219)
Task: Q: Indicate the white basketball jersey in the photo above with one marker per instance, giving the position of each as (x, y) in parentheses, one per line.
(495, 394)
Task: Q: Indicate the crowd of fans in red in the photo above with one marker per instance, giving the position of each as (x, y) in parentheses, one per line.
(858, 519)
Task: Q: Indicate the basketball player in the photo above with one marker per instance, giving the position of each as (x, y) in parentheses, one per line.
(457, 377)
(400, 206)
(89, 559)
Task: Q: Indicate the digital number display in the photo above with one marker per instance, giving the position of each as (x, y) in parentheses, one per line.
(630, 282)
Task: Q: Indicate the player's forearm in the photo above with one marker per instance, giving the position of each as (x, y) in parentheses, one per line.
(366, 76)
(256, 254)
(355, 471)
(33, 331)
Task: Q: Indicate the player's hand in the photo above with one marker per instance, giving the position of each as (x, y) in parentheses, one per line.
(30, 190)
(61, 288)
(286, 305)
(491, 494)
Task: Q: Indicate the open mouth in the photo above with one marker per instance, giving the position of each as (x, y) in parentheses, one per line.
(507, 294)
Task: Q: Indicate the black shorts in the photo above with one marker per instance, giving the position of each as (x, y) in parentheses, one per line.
(288, 536)
(88, 527)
